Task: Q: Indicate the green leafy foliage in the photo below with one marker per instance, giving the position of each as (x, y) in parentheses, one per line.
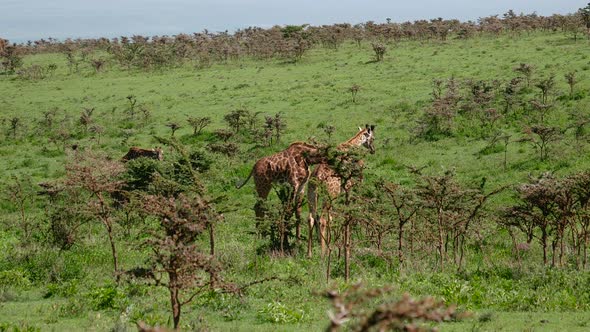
(278, 313)
(106, 297)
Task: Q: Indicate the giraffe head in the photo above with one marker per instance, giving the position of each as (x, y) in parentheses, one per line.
(366, 137)
(314, 154)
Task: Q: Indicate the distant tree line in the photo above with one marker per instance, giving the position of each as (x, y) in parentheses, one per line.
(288, 42)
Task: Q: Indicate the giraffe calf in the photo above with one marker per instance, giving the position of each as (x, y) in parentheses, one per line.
(326, 176)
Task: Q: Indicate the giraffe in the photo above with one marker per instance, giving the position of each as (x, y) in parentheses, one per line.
(290, 166)
(326, 175)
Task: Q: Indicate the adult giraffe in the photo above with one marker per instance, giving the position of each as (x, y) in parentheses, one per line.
(291, 166)
(327, 176)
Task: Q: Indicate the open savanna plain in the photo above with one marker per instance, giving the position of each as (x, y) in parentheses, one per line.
(501, 280)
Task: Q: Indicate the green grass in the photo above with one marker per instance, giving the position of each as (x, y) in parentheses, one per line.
(315, 90)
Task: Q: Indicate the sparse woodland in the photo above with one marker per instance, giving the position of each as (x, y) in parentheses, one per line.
(475, 202)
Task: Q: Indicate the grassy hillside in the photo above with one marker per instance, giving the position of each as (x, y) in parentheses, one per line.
(42, 286)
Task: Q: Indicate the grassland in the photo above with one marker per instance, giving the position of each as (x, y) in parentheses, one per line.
(57, 290)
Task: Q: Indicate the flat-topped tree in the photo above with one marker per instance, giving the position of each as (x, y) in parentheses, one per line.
(198, 123)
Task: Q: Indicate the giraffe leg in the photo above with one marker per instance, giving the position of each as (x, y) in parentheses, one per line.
(323, 238)
(297, 206)
(262, 189)
(310, 222)
(324, 229)
(312, 205)
(259, 210)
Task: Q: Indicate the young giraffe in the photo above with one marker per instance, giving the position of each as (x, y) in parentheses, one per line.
(290, 166)
(324, 174)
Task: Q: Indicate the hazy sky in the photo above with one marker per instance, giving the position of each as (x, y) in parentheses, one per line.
(23, 20)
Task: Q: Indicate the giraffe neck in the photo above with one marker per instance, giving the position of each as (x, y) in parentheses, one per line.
(354, 141)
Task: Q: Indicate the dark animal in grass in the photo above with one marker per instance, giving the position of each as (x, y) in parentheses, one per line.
(135, 152)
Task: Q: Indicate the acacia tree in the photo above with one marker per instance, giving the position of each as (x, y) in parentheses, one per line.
(575, 24)
(198, 123)
(174, 126)
(349, 167)
(548, 208)
(579, 124)
(21, 194)
(585, 15)
(546, 86)
(452, 208)
(541, 138)
(438, 195)
(86, 118)
(10, 59)
(236, 119)
(99, 178)
(177, 263)
(15, 125)
(354, 89)
(275, 222)
(571, 80)
(403, 201)
(274, 127)
(541, 110)
(65, 212)
(510, 94)
(580, 221)
(525, 70)
(438, 119)
(535, 210)
(132, 107)
(379, 50)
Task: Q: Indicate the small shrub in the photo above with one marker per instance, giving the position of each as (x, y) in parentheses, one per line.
(107, 297)
(486, 317)
(278, 313)
(229, 306)
(140, 173)
(198, 123)
(14, 279)
(65, 289)
(149, 317)
(20, 327)
(229, 149)
(379, 50)
(74, 307)
(33, 72)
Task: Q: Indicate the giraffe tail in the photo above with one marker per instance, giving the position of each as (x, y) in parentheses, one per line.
(241, 183)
